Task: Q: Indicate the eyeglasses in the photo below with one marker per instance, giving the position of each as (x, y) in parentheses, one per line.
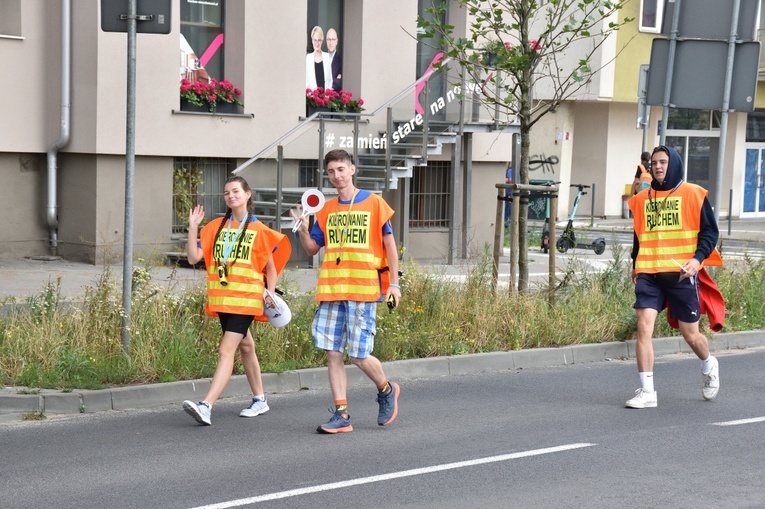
(331, 40)
(317, 40)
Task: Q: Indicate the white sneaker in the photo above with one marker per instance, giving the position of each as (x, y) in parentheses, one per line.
(711, 381)
(642, 399)
(200, 412)
(257, 407)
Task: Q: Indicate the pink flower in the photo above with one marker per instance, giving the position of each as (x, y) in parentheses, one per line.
(535, 45)
(508, 46)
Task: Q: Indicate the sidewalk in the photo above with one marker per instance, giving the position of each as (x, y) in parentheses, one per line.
(21, 278)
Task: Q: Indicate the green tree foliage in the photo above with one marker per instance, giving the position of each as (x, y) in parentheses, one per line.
(519, 49)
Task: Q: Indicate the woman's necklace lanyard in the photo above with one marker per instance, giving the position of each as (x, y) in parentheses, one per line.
(228, 246)
(344, 231)
(659, 209)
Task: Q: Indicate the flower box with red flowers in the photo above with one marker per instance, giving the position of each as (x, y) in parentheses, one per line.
(319, 99)
(210, 97)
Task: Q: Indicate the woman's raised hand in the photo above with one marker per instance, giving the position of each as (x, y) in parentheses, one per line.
(196, 216)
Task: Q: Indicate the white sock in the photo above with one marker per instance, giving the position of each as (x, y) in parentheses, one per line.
(706, 365)
(646, 380)
(259, 397)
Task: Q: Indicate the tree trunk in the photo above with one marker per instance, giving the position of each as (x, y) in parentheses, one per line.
(523, 242)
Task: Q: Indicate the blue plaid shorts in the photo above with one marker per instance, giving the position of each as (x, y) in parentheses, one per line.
(338, 325)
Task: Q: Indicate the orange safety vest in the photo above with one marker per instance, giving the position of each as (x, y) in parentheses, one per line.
(245, 268)
(667, 227)
(645, 178)
(353, 235)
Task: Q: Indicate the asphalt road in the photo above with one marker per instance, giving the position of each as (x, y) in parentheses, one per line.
(554, 437)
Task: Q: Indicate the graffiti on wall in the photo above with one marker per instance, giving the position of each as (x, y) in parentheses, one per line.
(545, 164)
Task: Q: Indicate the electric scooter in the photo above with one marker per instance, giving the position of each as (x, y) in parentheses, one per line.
(567, 239)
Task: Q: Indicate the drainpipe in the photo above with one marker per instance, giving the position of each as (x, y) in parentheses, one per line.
(66, 100)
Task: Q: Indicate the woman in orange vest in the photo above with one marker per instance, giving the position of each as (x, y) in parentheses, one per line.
(360, 266)
(675, 232)
(643, 176)
(243, 258)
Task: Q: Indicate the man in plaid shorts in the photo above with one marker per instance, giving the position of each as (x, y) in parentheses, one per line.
(359, 268)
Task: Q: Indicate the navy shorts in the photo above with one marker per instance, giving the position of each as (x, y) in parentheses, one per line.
(235, 323)
(655, 291)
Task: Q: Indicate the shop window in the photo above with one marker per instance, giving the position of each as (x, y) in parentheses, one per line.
(429, 195)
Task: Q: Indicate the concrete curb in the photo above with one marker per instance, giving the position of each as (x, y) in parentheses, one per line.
(14, 403)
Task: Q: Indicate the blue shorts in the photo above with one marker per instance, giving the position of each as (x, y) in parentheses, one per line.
(338, 325)
(655, 291)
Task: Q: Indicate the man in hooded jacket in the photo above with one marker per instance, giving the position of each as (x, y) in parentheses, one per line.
(675, 233)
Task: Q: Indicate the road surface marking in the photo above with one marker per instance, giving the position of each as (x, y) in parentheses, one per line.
(740, 421)
(393, 475)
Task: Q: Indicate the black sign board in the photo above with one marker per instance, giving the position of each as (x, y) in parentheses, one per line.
(153, 16)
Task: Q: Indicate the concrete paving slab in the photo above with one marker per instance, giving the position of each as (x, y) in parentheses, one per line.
(600, 351)
(745, 339)
(158, 394)
(413, 368)
(20, 403)
(96, 401)
(480, 363)
(313, 378)
(63, 403)
(289, 381)
(661, 346)
(543, 357)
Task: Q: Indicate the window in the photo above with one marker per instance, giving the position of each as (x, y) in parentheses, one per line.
(427, 50)
(697, 120)
(198, 181)
(755, 126)
(429, 196)
(325, 34)
(10, 18)
(651, 13)
(308, 170)
(202, 37)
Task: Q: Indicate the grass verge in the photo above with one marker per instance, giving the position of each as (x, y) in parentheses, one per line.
(47, 343)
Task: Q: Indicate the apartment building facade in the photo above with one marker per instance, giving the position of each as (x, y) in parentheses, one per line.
(62, 147)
